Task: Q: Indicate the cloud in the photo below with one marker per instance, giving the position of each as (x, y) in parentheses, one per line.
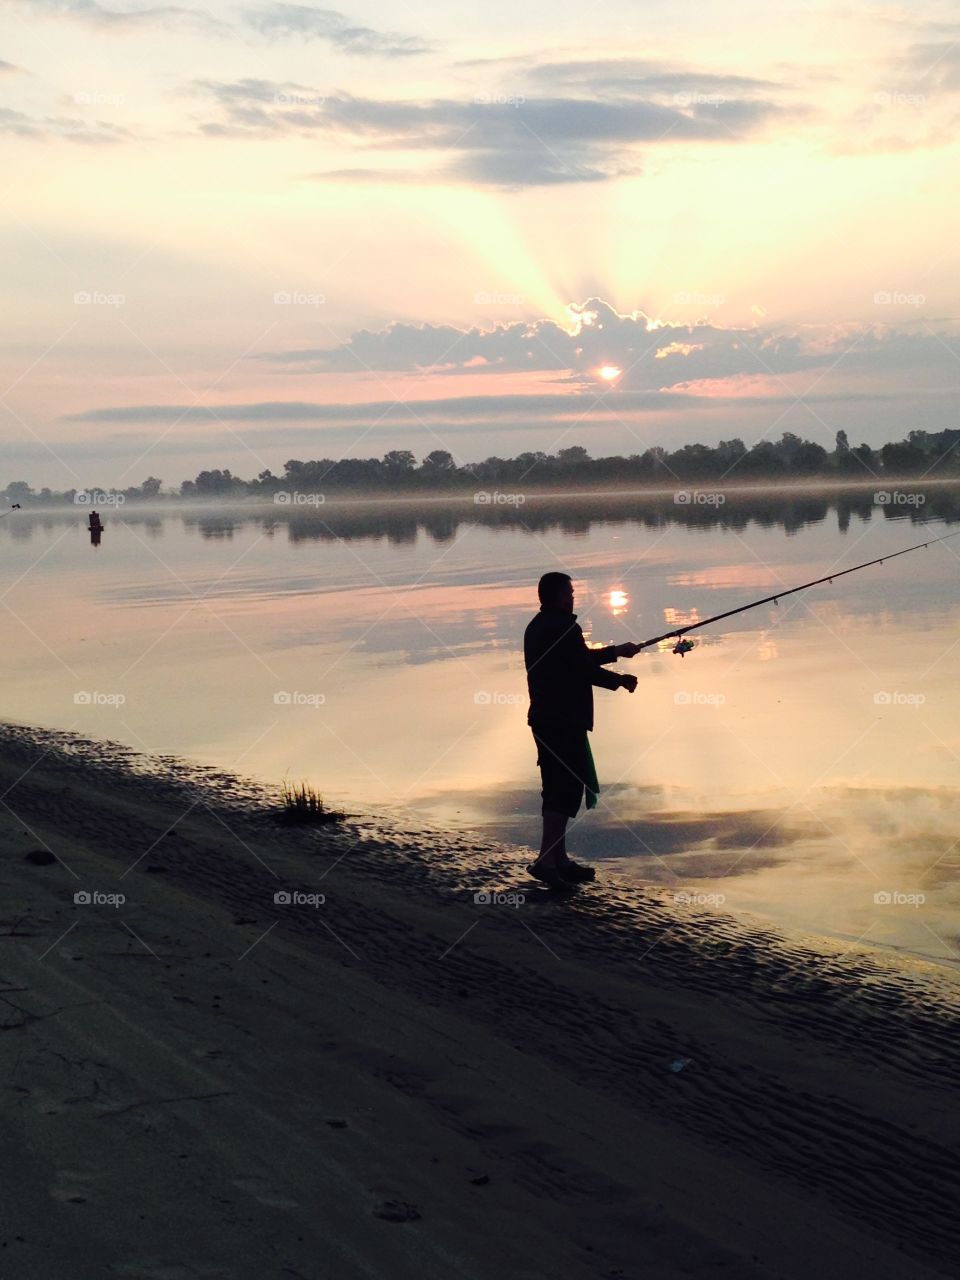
(454, 408)
(463, 413)
(653, 355)
(487, 123)
(635, 76)
(16, 124)
(271, 21)
(501, 140)
(371, 175)
(279, 21)
(121, 21)
(936, 65)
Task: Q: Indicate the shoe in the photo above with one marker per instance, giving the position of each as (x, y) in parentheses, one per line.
(576, 872)
(549, 876)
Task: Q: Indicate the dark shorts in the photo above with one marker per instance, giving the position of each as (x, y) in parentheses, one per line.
(562, 757)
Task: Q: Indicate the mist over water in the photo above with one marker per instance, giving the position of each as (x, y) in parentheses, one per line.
(801, 763)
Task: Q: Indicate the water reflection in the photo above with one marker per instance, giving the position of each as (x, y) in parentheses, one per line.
(400, 522)
(619, 601)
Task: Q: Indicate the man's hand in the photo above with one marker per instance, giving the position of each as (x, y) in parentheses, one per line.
(629, 683)
(627, 650)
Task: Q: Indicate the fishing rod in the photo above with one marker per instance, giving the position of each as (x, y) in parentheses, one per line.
(684, 646)
(14, 507)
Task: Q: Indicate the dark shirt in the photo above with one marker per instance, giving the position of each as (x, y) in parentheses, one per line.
(561, 671)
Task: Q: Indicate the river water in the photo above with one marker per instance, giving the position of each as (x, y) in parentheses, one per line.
(802, 763)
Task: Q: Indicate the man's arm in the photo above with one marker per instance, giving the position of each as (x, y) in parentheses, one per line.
(595, 660)
(607, 679)
(614, 651)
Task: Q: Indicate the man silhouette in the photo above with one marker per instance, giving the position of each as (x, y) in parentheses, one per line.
(561, 673)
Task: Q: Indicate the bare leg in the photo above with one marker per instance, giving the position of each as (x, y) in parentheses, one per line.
(553, 845)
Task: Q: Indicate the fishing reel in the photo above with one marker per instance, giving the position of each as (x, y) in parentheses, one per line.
(683, 646)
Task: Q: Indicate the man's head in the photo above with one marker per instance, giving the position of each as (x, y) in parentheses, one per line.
(556, 591)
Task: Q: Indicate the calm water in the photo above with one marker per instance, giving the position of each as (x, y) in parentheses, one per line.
(802, 760)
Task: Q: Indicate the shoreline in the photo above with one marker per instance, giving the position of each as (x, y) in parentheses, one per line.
(737, 489)
(609, 1082)
(117, 760)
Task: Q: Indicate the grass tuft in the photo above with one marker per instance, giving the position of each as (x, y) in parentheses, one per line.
(303, 803)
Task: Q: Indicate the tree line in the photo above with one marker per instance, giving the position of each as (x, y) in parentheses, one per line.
(920, 454)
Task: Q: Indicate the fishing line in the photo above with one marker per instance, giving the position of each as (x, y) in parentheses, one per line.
(684, 646)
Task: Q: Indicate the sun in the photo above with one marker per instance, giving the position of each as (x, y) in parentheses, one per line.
(618, 601)
(609, 372)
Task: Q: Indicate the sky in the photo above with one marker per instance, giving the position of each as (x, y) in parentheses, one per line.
(236, 234)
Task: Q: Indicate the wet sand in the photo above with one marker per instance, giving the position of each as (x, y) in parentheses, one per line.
(403, 1082)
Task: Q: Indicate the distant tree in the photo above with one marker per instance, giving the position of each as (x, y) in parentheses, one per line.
(439, 462)
(533, 465)
(765, 459)
(902, 459)
(694, 461)
(848, 461)
(399, 463)
(788, 446)
(18, 491)
(151, 487)
(572, 457)
(867, 459)
(217, 483)
(810, 459)
(653, 464)
(943, 450)
(729, 453)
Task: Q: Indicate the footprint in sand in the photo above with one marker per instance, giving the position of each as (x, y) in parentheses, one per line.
(397, 1211)
(69, 1188)
(260, 1189)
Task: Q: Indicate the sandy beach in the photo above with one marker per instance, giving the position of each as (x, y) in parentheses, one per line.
(400, 1081)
